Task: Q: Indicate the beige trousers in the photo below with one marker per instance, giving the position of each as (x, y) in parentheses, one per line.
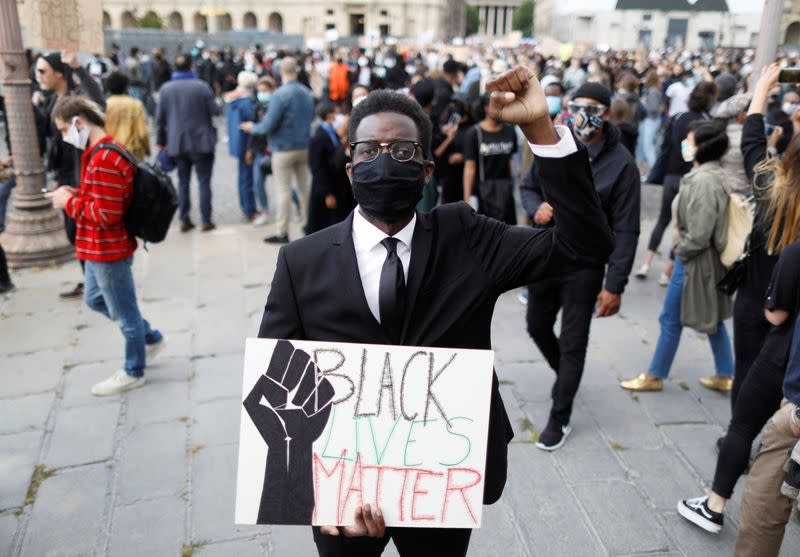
(288, 168)
(765, 510)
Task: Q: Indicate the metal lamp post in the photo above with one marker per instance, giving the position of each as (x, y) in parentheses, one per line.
(35, 231)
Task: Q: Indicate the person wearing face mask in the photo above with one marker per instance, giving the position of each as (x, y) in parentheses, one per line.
(701, 100)
(488, 172)
(338, 81)
(326, 201)
(594, 289)
(257, 152)
(692, 298)
(554, 93)
(390, 274)
(102, 241)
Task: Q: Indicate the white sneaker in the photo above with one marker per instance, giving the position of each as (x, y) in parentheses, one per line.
(117, 383)
(664, 279)
(155, 349)
(261, 220)
(642, 272)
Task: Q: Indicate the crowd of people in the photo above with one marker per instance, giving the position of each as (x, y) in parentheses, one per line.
(691, 122)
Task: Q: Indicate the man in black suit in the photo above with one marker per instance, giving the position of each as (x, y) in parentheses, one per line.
(323, 152)
(390, 275)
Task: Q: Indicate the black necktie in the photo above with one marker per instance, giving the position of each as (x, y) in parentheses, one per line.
(392, 291)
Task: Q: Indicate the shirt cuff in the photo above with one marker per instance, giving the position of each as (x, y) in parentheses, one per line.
(564, 148)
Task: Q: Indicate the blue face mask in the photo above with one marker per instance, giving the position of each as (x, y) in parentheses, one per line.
(553, 105)
(263, 96)
(688, 150)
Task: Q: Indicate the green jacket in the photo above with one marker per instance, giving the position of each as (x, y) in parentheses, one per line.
(703, 224)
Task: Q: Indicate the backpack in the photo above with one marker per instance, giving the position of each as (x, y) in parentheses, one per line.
(740, 224)
(154, 199)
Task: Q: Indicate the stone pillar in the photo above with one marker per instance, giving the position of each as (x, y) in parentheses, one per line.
(35, 231)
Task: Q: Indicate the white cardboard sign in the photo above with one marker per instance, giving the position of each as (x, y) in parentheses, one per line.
(327, 427)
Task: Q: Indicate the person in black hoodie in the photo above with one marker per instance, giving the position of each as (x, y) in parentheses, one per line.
(60, 74)
(583, 292)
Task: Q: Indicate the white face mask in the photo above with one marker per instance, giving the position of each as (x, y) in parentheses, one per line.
(77, 137)
(338, 120)
(789, 108)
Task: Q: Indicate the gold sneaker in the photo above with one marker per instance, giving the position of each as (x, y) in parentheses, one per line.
(717, 383)
(642, 383)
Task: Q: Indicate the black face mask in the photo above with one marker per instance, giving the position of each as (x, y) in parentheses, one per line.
(387, 189)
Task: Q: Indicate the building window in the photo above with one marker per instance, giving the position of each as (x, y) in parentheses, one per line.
(384, 30)
(384, 13)
(647, 17)
(329, 12)
(329, 26)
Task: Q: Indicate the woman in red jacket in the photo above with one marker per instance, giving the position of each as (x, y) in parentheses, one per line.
(101, 241)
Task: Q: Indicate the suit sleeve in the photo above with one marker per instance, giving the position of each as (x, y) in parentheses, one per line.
(625, 209)
(281, 317)
(530, 192)
(513, 256)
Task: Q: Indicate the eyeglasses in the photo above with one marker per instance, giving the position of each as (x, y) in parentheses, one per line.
(401, 151)
(590, 109)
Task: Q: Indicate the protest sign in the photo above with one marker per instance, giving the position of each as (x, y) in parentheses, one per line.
(327, 427)
(70, 24)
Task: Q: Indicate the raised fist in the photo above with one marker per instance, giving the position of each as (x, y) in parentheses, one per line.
(289, 405)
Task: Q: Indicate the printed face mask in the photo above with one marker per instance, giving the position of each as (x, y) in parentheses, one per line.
(586, 126)
(77, 137)
(688, 150)
(387, 189)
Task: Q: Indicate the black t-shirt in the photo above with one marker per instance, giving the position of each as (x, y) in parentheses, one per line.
(784, 294)
(495, 151)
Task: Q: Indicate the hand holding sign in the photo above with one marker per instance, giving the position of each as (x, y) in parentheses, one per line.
(289, 405)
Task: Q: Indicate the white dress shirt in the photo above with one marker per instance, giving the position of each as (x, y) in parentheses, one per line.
(370, 253)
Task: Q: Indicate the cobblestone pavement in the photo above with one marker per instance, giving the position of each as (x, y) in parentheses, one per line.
(152, 472)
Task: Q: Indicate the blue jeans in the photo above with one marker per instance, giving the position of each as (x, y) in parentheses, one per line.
(259, 181)
(648, 130)
(671, 328)
(247, 199)
(5, 192)
(204, 165)
(109, 289)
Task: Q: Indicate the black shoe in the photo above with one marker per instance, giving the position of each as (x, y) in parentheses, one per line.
(6, 286)
(277, 239)
(207, 227)
(76, 292)
(186, 225)
(553, 436)
(697, 512)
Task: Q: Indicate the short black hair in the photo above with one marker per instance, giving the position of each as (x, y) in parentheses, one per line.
(324, 109)
(391, 101)
(702, 97)
(424, 91)
(451, 67)
(183, 63)
(710, 138)
(117, 83)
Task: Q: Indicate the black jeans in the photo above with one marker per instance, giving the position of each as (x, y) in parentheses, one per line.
(410, 542)
(672, 183)
(4, 277)
(750, 328)
(575, 295)
(759, 398)
(204, 165)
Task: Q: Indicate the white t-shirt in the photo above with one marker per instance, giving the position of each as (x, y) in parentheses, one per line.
(678, 94)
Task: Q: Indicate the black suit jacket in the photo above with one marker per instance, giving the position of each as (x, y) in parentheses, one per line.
(460, 264)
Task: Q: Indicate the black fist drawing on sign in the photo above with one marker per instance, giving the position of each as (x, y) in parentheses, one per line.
(289, 405)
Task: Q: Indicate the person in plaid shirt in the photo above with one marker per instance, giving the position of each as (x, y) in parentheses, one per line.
(102, 242)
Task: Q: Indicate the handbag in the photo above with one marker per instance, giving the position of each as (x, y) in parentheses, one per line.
(734, 278)
(740, 225)
(266, 163)
(495, 195)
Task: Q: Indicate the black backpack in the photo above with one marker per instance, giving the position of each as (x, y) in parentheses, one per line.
(154, 200)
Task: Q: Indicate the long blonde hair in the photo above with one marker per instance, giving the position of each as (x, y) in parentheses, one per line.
(783, 209)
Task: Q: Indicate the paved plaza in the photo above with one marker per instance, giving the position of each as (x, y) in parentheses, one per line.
(152, 472)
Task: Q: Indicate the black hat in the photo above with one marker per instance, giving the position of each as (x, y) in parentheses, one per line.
(595, 91)
(54, 59)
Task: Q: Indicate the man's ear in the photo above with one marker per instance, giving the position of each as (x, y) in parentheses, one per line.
(349, 169)
(429, 167)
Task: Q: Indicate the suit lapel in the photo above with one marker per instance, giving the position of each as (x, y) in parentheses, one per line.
(421, 245)
(350, 276)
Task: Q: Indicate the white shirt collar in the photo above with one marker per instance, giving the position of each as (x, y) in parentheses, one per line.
(366, 235)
